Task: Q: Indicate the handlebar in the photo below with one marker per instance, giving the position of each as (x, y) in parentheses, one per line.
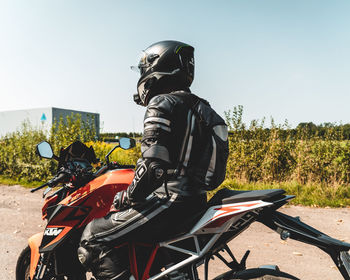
(62, 176)
(38, 188)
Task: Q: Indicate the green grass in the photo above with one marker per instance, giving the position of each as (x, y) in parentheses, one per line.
(306, 195)
(5, 180)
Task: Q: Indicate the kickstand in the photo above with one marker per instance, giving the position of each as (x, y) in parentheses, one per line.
(243, 262)
(234, 264)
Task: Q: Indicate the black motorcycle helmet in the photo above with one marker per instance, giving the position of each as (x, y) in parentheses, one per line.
(165, 66)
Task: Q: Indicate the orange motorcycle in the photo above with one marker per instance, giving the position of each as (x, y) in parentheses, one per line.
(84, 196)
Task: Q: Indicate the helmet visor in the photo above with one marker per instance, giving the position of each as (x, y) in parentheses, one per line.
(145, 61)
(142, 63)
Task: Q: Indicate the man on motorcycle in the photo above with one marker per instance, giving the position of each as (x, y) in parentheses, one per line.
(168, 183)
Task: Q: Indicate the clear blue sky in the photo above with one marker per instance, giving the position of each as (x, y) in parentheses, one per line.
(285, 59)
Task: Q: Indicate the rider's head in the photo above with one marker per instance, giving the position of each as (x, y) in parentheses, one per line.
(165, 66)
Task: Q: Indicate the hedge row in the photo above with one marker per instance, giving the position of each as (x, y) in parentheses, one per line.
(257, 154)
(18, 158)
(280, 154)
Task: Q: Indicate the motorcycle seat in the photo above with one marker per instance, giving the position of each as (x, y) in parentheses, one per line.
(226, 196)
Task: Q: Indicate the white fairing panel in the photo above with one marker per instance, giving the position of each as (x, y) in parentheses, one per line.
(222, 213)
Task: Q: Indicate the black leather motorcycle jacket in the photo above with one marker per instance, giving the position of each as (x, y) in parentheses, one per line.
(165, 125)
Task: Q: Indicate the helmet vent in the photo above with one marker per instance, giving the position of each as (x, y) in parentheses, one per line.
(152, 57)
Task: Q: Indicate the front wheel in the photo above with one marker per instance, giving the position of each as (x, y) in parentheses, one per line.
(23, 269)
(23, 265)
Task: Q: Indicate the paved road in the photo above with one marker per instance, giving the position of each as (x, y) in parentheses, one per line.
(20, 216)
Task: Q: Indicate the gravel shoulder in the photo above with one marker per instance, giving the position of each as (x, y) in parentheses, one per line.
(20, 216)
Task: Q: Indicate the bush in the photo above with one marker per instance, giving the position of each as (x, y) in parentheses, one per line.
(18, 159)
(119, 155)
(281, 154)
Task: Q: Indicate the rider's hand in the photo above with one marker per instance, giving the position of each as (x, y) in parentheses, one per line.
(121, 201)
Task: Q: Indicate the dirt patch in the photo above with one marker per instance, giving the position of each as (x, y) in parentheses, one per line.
(20, 216)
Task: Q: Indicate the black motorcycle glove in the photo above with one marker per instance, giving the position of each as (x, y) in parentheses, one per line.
(63, 175)
(121, 201)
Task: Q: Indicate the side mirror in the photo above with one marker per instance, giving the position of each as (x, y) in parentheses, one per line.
(126, 143)
(44, 150)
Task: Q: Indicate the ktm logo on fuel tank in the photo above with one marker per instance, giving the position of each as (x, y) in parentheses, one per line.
(53, 231)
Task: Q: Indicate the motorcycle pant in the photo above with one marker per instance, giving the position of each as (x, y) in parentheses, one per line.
(158, 218)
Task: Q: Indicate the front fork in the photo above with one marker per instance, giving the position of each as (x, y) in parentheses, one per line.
(42, 266)
(290, 227)
(38, 262)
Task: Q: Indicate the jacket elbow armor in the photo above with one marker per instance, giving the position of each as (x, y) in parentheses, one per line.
(149, 176)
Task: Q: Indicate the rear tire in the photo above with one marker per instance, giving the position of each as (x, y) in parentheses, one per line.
(265, 278)
(256, 274)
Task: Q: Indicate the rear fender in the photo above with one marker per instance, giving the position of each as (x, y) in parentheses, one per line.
(34, 244)
(292, 227)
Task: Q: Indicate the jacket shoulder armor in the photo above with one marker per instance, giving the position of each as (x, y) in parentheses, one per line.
(162, 105)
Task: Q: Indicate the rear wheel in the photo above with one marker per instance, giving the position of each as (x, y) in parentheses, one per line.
(271, 278)
(260, 273)
(23, 269)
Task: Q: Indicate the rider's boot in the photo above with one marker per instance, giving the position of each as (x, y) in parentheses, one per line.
(111, 266)
(103, 262)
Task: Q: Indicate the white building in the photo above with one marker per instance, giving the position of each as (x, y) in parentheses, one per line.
(11, 121)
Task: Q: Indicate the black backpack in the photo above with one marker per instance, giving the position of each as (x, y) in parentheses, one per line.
(204, 161)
